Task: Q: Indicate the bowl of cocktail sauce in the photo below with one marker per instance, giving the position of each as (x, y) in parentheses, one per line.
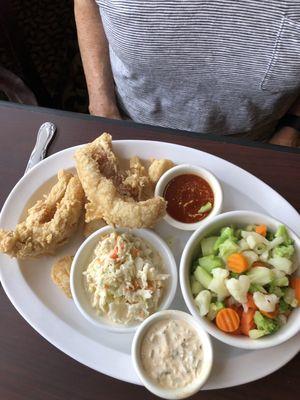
(193, 195)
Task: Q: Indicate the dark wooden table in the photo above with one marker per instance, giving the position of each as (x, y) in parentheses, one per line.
(31, 368)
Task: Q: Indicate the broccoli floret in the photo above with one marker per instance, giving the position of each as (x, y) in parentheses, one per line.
(270, 236)
(228, 247)
(266, 324)
(284, 251)
(210, 262)
(282, 232)
(283, 306)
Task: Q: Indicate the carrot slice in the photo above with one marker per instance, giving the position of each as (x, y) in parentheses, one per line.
(237, 262)
(261, 229)
(227, 320)
(295, 284)
(247, 321)
(250, 302)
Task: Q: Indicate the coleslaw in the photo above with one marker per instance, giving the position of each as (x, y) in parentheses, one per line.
(124, 279)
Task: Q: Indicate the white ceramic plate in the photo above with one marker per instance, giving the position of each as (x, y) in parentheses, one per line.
(46, 309)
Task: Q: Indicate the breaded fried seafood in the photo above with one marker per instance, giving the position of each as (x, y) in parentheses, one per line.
(138, 180)
(60, 274)
(109, 195)
(157, 168)
(49, 223)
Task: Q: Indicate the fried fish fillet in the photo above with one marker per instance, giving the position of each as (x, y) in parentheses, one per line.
(138, 180)
(49, 223)
(157, 168)
(97, 169)
(60, 274)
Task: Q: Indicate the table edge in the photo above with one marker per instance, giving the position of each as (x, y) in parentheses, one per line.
(176, 132)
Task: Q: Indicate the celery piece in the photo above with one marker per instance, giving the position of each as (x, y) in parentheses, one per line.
(226, 233)
(257, 333)
(194, 265)
(196, 286)
(206, 207)
(203, 276)
(210, 262)
(228, 247)
(207, 245)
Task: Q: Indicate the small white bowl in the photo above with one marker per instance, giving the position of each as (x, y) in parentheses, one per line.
(207, 361)
(195, 170)
(240, 219)
(83, 258)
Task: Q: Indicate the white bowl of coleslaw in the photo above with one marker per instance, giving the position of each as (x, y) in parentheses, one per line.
(119, 277)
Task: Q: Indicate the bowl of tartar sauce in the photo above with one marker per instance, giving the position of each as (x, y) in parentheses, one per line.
(172, 354)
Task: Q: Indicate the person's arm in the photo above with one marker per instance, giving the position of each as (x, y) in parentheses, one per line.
(286, 135)
(95, 58)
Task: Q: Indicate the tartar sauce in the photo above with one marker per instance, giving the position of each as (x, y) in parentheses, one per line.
(171, 353)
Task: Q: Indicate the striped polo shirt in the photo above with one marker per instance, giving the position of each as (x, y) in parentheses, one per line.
(224, 67)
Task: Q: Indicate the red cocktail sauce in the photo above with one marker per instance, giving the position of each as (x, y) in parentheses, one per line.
(185, 195)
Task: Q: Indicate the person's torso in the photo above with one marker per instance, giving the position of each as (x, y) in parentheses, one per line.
(211, 66)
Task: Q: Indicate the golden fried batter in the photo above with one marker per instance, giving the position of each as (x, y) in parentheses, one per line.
(98, 172)
(49, 223)
(60, 274)
(157, 168)
(138, 180)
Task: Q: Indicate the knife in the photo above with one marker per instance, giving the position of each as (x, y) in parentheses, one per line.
(44, 137)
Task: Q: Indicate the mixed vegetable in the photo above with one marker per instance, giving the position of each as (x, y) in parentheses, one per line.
(243, 280)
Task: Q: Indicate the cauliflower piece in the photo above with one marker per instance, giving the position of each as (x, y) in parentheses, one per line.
(265, 302)
(253, 239)
(238, 288)
(203, 300)
(217, 285)
(251, 256)
(283, 264)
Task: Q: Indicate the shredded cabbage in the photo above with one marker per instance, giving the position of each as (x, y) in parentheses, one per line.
(124, 278)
